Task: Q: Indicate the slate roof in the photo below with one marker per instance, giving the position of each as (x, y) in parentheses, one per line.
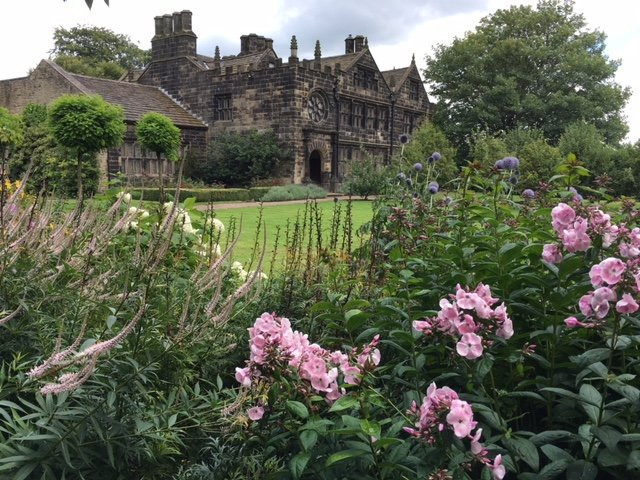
(346, 60)
(134, 98)
(396, 77)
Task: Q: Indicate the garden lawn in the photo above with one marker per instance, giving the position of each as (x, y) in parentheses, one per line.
(278, 215)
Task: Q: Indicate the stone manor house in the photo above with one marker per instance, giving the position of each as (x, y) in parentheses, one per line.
(325, 110)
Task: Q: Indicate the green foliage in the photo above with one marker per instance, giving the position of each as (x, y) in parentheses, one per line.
(367, 177)
(587, 144)
(204, 195)
(86, 124)
(10, 131)
(96, 51)
(428, 139)
(240, 159)
(536, 67)
(486, 149)
(293, 192)
(53, 168)
(158, 134)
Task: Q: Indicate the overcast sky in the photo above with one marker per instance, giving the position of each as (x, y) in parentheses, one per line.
(395, 29)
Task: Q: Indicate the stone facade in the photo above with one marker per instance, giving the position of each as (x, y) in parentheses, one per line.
(326, 110)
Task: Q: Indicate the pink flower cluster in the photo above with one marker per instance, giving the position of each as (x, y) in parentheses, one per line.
(275, 346)
(576, 232)
(469, 318)
(442, 409)
(609, 277)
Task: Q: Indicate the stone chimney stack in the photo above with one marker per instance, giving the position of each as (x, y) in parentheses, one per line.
(253, 43)
(349, 45)
(293, 58)
(358, 43)
(173, 37)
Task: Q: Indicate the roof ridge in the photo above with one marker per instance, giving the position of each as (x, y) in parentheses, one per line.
(180, 104)
(110, 80)
(68, 76)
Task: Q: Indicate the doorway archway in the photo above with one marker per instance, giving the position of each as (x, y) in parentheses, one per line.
(315, 167)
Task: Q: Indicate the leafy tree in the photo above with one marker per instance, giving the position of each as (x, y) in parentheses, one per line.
(85, 125)
(158, 134)
(367, 177)
(96, 51)
(10, 133)
(529, 67)
(239, 159)
(428, 139)
(587, 144)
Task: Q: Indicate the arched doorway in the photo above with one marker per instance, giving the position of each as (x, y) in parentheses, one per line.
(315, 167)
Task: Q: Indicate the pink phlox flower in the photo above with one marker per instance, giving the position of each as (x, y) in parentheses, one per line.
(634, 236)
(575, 239)
(424, 326)
(627, 304)
(440, 396)
(610, 236)
(465, 299)
(447, 316)
(600, 301)
(243, 376)
(573, 322)
(469, 346)
(551, 253)
(351, 375)
(636, 277)
(255, 413)
(595, 274)
(465, 324)
(611, 270)
(562, 215)
(484, 292)
(460, 417)
(476, 447)
(506, 329)
(628, 250)
(497, 469)
(600, 219)
(585, 304)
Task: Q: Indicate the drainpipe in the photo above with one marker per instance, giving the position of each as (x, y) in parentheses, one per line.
(336, 143)
(392, 97)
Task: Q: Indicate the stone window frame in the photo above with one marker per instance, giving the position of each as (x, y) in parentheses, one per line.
(358, 115)
(346, 113)
(365, 78)
(383, 118)
(223, 107)
(370, 116)
(407, 122)
(414, 90)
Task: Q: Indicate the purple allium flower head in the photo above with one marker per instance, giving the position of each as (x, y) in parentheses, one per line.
(511, 163)
(528, 193)
(433, 188)
(418, 167)
(404, 138)
(513, 180)
(436, 156)
(401, 176)
(500, 164)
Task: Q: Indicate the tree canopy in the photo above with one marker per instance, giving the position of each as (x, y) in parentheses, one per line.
(158, 134)
(527, 67)
(96, 51)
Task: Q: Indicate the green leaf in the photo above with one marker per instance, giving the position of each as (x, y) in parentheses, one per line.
(345, 403)
(525, 449)
(372, 429)
(608, 435)
(608, 458)
(308, 439)
(555, 454)
(299, 409)
(591, 401)
(298, 463)
(344, 455)
(172, 420)
(354, 319)
(582, 470)
(553, 469)
(551, 436)
(189, 203)
(111, 320)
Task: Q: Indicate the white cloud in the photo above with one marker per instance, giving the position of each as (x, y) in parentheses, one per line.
(395, 31)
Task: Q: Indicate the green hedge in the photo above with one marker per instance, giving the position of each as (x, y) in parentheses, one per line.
(205, 194)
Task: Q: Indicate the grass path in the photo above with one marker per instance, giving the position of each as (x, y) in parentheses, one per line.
(275, 216)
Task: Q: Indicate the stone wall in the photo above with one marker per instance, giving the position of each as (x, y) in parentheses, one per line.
(43, 86)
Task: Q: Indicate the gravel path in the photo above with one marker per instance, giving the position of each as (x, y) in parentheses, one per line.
(226, 206)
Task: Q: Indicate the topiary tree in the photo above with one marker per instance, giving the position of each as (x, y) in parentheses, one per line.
(158, 134)
(86, 125)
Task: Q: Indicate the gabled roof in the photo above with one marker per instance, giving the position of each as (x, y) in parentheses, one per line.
(395, 78)
(135, 99)
(239, 60)
(346, 60)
